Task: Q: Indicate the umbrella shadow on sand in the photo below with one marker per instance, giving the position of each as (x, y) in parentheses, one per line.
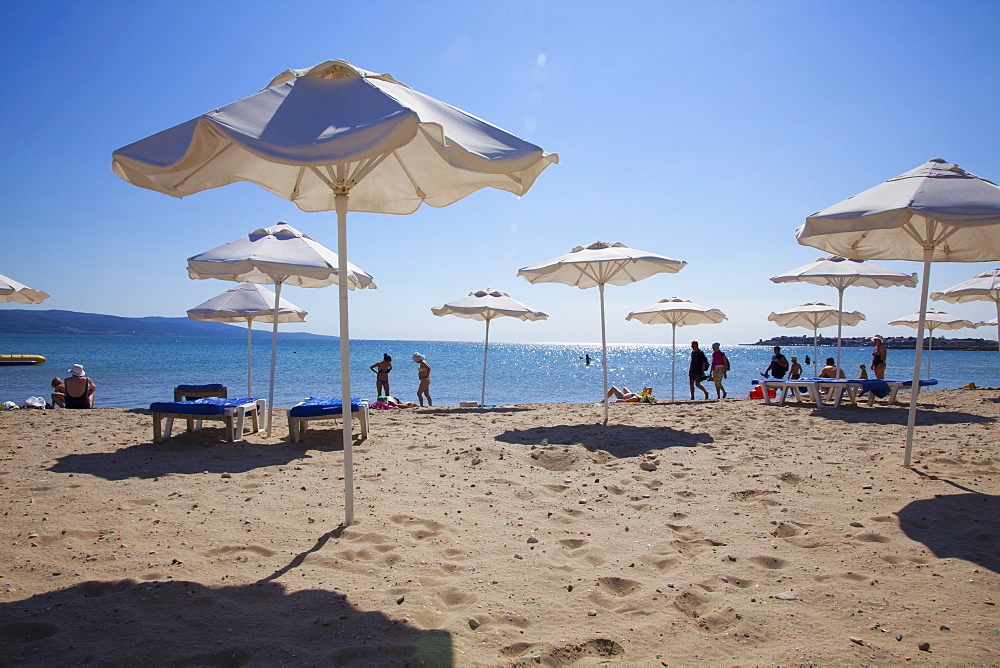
(956, 526)
(183, 623)
(619, 440)
(187, 453)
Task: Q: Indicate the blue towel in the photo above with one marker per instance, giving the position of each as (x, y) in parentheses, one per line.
(215, 386)
(317, 406)
(206, 406)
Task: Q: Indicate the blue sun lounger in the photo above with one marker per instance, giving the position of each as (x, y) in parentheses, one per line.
(232, 412)
(324, 408)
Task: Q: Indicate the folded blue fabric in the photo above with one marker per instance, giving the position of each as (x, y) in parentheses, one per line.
(316, 406)
(215, 386)
(206, 406)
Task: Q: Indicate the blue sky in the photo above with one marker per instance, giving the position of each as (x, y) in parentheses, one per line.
(703, 131)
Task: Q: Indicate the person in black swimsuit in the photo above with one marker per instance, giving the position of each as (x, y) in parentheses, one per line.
(878, 357)
(382, 370)
(79, 389)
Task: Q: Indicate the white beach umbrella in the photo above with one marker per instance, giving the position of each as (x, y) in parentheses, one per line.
(278, 255)
(336, 137)
(12, 291)
(245, 303)
(816, 316)
(932, 319)
(676, 313)
(984, 287)
(600, 264)
(487, 305)
(937, 212)
(842, 273)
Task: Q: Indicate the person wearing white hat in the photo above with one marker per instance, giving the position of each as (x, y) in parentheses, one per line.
(424, 376)
(79, 389)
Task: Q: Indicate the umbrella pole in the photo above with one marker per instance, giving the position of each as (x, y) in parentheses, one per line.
(340, 201)
(274, 356)
(604, 355)
(930, 346)
(673, 359)
(911, 417)
(486, 348)
(998, 333)
(840, 321)
(815, 351)
(249, 356)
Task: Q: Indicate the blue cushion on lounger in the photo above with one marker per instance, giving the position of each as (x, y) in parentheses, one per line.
(194, 388)
(316, 406)
(206, 406)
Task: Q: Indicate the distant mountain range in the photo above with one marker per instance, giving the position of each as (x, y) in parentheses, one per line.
(24, 321)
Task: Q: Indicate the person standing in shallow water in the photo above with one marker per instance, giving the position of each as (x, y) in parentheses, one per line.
(697, 370)
(424, 376)
(382, 370)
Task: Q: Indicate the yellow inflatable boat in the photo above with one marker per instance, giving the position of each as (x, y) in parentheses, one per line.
(21, 360)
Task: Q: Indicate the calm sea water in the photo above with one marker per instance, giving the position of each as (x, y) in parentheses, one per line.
(133, 372)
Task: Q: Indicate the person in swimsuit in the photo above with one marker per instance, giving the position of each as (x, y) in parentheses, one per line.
(79, 389)
(625, 394)
(795, 371)
(58, 393)
(382, 370)
(720, 365)
(878, 358)
(831, 370)
(424, 376)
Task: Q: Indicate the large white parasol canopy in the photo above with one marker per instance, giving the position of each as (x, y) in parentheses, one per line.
(933, 319)
(488, 305)
(937, 212)
(816, 316)
(245, 303)
(12, 291)
(597, 265)
(676, 312)
(842, 273)
(984, 287)
(337, 137)
(278, 255)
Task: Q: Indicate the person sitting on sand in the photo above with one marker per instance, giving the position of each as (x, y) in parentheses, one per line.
(79, 389)
(831, 370)
(625, 395)
(58, 393)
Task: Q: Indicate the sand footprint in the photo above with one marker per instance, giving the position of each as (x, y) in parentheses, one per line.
(705, 609)
(419, 529)
(617, 586)
(259, 550)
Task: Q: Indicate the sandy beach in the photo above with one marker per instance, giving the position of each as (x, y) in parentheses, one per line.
(713, 533)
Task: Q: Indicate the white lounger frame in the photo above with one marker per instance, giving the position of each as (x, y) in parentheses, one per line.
(233, 416)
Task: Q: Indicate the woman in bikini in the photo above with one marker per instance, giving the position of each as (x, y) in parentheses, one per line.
(382, 370)
(878, 358)
(80, 389)
(424, 376)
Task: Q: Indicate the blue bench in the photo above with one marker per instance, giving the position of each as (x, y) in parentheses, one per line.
(324, 408)
(232, 412)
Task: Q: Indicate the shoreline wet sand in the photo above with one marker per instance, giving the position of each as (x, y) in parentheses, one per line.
(691, 532)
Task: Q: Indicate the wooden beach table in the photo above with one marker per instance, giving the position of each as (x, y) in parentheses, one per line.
(233, 412)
